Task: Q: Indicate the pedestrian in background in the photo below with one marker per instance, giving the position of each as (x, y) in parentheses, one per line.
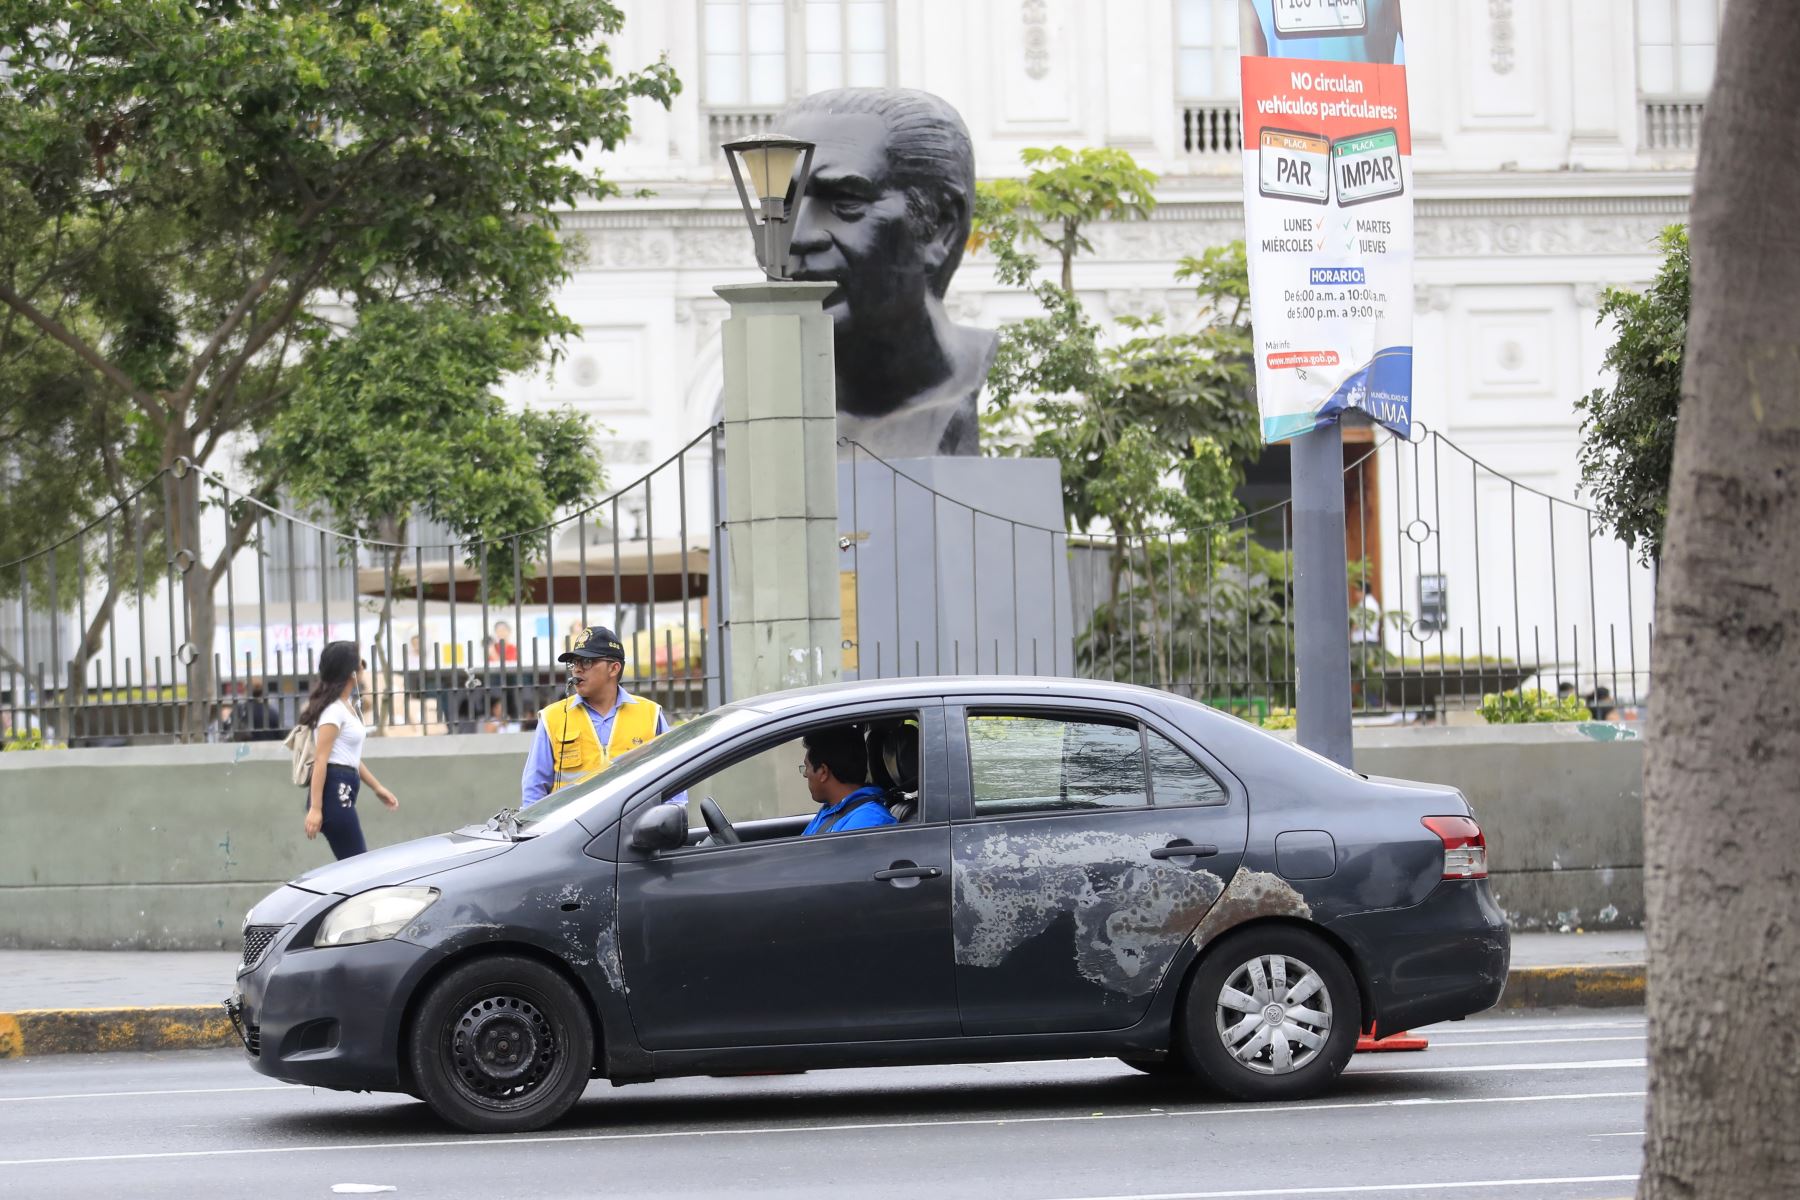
(256, 719)
(338, 772)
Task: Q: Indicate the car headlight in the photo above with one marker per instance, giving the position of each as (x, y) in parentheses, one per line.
(374, 916)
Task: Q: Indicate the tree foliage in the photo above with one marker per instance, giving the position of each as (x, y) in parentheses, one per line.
(197, 196)
(1628, 431)
(1151, 425)
(403, 414)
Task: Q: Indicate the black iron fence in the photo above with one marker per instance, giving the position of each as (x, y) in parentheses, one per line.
(1464, 582)
(125, 633)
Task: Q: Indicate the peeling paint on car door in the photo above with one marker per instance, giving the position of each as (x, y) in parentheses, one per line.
(1068, 919)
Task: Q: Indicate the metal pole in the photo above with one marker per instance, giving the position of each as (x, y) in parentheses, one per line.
(1321, 597)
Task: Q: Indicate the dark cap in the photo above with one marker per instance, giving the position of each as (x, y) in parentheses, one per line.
(596, 641)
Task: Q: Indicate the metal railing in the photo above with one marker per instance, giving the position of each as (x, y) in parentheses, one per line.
(1475, 584)
(108, 638)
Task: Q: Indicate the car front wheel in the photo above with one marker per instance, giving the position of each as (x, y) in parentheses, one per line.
(501, 1045)
(1273, 1014)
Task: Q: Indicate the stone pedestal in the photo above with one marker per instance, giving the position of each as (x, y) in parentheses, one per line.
(954, 566)
(781, 623)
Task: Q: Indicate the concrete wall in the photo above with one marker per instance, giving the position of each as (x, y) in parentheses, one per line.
(167, 847)
(1562, 807)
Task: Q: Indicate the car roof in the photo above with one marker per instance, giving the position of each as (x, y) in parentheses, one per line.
(931, 686)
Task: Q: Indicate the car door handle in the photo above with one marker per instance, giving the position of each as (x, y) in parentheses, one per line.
(1186, 850)
(908, 873)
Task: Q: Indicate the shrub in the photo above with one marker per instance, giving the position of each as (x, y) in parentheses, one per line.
(1529, 706)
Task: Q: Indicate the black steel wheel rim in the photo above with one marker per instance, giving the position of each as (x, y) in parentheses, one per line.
(502, 1048)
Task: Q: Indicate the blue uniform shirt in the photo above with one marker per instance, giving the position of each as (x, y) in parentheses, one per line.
(868, 816)
(540, 764)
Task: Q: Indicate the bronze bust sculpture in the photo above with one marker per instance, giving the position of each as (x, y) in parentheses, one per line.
(886, 217)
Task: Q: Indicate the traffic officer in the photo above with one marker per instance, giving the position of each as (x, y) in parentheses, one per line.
(580, 734)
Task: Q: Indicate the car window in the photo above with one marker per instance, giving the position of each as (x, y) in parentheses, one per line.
(1175, 778)
(768, 782)
(573, 797)
(1023, 764)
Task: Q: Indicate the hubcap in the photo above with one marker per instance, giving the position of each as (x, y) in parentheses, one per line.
(502, 1049)
(1269, 1024)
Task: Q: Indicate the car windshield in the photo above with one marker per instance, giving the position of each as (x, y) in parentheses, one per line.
(575, 795)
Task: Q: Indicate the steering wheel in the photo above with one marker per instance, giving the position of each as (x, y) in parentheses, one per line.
(716, 824)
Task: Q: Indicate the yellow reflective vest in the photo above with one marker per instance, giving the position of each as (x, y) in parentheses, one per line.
(575, 750)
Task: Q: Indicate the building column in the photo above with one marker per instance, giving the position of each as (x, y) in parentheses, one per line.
(781, 502)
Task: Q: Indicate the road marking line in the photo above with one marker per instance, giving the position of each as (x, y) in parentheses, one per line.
(1248, 1110)
(1366, 1188)
(1630, 1133)
(1483, 1028)
(1624, 1037)
(267, 1087)
(1599, 1064)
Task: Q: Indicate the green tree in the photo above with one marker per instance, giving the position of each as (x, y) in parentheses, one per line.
(196, 194)
(1151, 425)
(402, 417)
(1628, 431)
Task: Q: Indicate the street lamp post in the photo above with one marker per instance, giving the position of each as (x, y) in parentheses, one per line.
(780, 565)
(766, 165)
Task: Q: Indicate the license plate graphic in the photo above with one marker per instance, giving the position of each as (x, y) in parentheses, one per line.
(1295, 166)
(1312, 18)
(1367, 167)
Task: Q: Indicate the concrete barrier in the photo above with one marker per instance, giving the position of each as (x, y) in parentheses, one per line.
(167, 847)
(1562, 806)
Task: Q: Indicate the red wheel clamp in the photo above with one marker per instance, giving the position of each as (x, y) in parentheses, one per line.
(1373, 1043)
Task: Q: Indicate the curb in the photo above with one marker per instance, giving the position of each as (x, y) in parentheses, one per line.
(1619, 985)
(32, 1032)
(36, 1031)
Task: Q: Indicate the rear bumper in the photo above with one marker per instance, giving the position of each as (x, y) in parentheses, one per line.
(332, 1017)
(1436, 961)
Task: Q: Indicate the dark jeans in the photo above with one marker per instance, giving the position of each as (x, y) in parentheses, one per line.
(340, 826)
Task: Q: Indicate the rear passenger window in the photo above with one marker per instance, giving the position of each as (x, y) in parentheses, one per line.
(1021, 764)
(1175, 778)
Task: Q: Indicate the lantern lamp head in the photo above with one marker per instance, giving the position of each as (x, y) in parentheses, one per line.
(770, 171)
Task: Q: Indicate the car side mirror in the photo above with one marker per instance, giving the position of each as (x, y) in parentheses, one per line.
(661, 827)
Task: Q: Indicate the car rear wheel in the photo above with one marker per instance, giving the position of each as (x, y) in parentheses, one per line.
(1272, 1014)
(501, 1045)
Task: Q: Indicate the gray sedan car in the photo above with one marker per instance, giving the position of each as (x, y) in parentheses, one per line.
(1074, 869)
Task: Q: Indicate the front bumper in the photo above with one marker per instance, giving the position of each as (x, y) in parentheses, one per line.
(329, 1017)
(1439, 960)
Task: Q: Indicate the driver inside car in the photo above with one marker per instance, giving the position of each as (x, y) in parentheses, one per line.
(837, 761)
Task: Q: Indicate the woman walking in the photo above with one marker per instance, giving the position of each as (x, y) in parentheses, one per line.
(338, 770)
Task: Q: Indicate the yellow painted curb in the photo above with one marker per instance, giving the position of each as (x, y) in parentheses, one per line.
(191, 1027)
(1589, 986)
(31, 1032)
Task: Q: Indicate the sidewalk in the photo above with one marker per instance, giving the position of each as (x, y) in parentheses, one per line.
(63, 1001)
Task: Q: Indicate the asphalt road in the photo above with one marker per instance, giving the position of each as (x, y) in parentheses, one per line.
(1538, 1106)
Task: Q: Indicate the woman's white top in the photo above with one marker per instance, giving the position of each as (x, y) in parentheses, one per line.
(346, 750)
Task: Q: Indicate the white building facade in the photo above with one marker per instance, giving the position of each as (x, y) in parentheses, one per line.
(1553, 141)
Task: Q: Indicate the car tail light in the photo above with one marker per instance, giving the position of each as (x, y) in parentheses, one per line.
(1465, 846)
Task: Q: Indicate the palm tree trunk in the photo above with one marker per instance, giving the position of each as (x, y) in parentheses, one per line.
(1722, 812)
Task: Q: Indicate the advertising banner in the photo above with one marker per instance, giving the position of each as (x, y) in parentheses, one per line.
(1328, 218)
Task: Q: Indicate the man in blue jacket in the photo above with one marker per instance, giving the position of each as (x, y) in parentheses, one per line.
(836, 764)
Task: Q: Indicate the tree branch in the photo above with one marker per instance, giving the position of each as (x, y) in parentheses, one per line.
(259, 337)
(85, 352)
(210, 351)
